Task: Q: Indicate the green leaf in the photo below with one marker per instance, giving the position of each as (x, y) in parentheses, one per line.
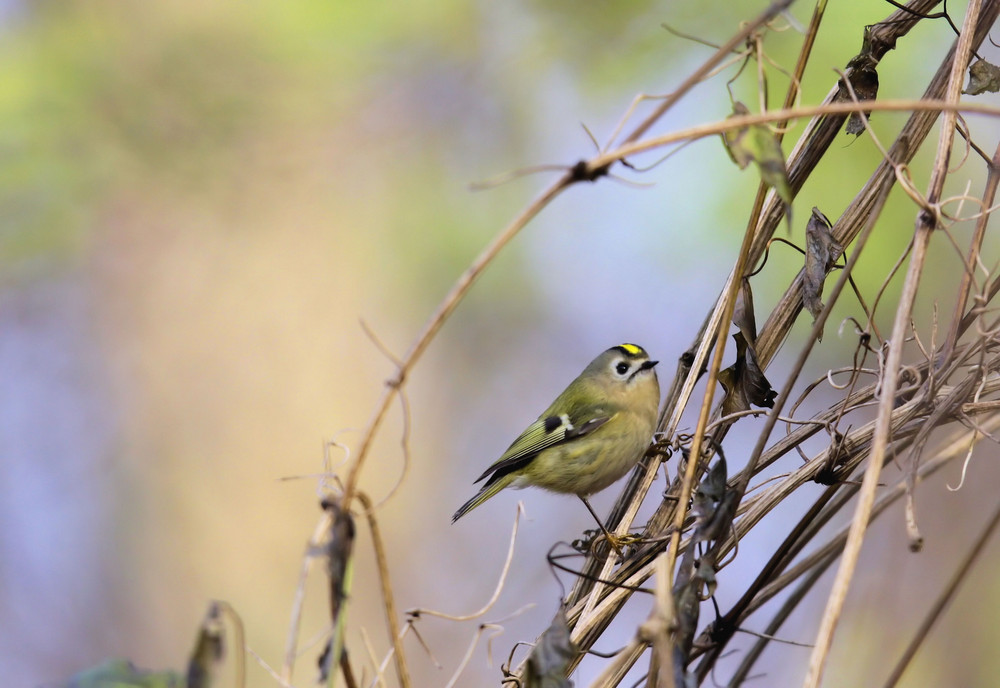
(120, 673)
(758, 144)
(983, 77)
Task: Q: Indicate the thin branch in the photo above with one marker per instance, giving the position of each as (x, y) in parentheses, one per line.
(416, 613)
(598, 163)
(438, 318)
(388, 600)
(695, 78)
(278, 678)
(312, 548)
(989, 194)
(468, 653)
(946, 596)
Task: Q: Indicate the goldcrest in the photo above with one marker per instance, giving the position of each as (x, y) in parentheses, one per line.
(591, 435)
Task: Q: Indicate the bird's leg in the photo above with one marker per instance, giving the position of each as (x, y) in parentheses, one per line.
(612, 540)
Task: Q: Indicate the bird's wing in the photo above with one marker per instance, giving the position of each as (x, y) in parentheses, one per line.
(545, 432)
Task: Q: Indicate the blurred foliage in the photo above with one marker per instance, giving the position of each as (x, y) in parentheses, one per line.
(176, 99)
(119, 673)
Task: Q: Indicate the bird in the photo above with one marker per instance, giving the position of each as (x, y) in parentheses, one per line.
(592, 434)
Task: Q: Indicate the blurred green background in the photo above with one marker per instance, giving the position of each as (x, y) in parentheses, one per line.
(201, 200)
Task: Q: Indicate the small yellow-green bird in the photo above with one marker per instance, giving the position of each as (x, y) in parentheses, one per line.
(591, 435)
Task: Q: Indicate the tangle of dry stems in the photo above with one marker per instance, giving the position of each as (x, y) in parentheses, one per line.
(947, 387)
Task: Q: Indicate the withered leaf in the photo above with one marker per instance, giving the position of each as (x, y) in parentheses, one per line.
(735, 399)
(209, 650)
(705, 573)
(983, 77)
(688, 603)
(551, 656)
(338, 555)
(758, 389)
(338, 550)
(758, 144)
(744, 381)
(711, 504)
(743, 316)
(695, 575)
(822, 251)
(713, 486)
(863, 75)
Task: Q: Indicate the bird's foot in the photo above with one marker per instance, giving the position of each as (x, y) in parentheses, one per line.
(599, 541)
(619, 543)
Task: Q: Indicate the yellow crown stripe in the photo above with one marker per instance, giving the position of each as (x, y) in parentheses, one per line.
(631, 349)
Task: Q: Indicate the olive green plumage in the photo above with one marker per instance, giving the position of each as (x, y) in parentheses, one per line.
(591, 435)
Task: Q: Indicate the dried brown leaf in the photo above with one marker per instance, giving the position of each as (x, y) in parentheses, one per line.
(863, 76)
(549, 660)
(339, 549)
(744, 381)
(822, 251)
(209, 650)
(743, 314)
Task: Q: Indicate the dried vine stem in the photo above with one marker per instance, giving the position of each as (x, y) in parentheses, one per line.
(388, 599)
(706, 67)
(906, 423)
(599, 162)
(589, 170)
(948, 450)
(986, 202)
(946, 596)
(927, 221)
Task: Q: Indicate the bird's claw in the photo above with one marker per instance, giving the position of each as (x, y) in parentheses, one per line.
(619, 543)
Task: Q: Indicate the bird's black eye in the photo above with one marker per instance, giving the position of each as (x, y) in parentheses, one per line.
(622, 368)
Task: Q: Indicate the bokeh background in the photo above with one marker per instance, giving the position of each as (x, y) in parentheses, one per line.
(199, 203)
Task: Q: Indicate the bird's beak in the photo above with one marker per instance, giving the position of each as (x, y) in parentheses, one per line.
(647, 365)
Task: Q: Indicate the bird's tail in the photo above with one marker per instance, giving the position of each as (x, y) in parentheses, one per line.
(489, 489)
